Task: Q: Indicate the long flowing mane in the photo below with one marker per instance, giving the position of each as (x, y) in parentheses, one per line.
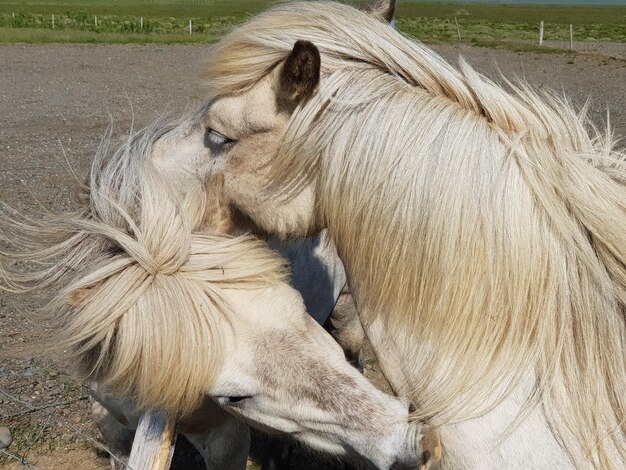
(490, 223)
(138, 277)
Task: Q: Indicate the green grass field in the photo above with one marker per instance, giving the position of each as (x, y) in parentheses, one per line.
(167, 21)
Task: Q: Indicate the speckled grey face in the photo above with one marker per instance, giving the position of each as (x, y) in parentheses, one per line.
(283, 371)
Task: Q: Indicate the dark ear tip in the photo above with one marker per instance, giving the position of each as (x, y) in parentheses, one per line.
(303, 46)
(306, 52)
(383, 9)
(301, 70)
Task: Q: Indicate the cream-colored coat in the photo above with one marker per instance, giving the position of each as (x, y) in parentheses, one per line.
(482, 228)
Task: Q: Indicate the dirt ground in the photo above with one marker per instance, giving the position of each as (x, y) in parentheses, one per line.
(56, 102)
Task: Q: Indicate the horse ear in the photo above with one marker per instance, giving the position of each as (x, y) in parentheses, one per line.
(383, 9)
(300, 73)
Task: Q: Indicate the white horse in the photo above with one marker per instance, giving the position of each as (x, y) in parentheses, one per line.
(160, 305)
(482, 229)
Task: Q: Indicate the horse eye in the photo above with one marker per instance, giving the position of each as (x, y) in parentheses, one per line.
(231, 400)
(217, 138)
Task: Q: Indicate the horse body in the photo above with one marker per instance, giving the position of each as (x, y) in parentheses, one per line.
(481, 229)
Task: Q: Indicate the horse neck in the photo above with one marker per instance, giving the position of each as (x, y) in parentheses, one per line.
(508, 436)
(496, 440)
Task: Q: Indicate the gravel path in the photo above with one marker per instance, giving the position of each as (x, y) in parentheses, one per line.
(57, 98)
(56, 102)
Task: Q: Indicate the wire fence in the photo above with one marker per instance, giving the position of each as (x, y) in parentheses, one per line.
(448, 29)
(81, 21)
(51, 419)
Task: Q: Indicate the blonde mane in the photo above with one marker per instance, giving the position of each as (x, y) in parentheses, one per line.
(489, 224)
(138, 278)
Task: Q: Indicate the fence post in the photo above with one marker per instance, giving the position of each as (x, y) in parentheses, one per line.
(541, 33)
(571, 37)
(190, 27)
(458, 31)
(95, 21)
(141, 24)
(52, 21)
(154, 442)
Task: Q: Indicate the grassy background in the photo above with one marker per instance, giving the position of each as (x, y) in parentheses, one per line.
(146, 8)
(167, 21)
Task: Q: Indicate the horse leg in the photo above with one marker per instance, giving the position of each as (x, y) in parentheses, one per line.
(117, 437)
(225, 446)
(345, 327)
(222, 441)
(278, 456)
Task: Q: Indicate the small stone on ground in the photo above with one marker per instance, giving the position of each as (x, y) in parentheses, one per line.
(5, 437)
